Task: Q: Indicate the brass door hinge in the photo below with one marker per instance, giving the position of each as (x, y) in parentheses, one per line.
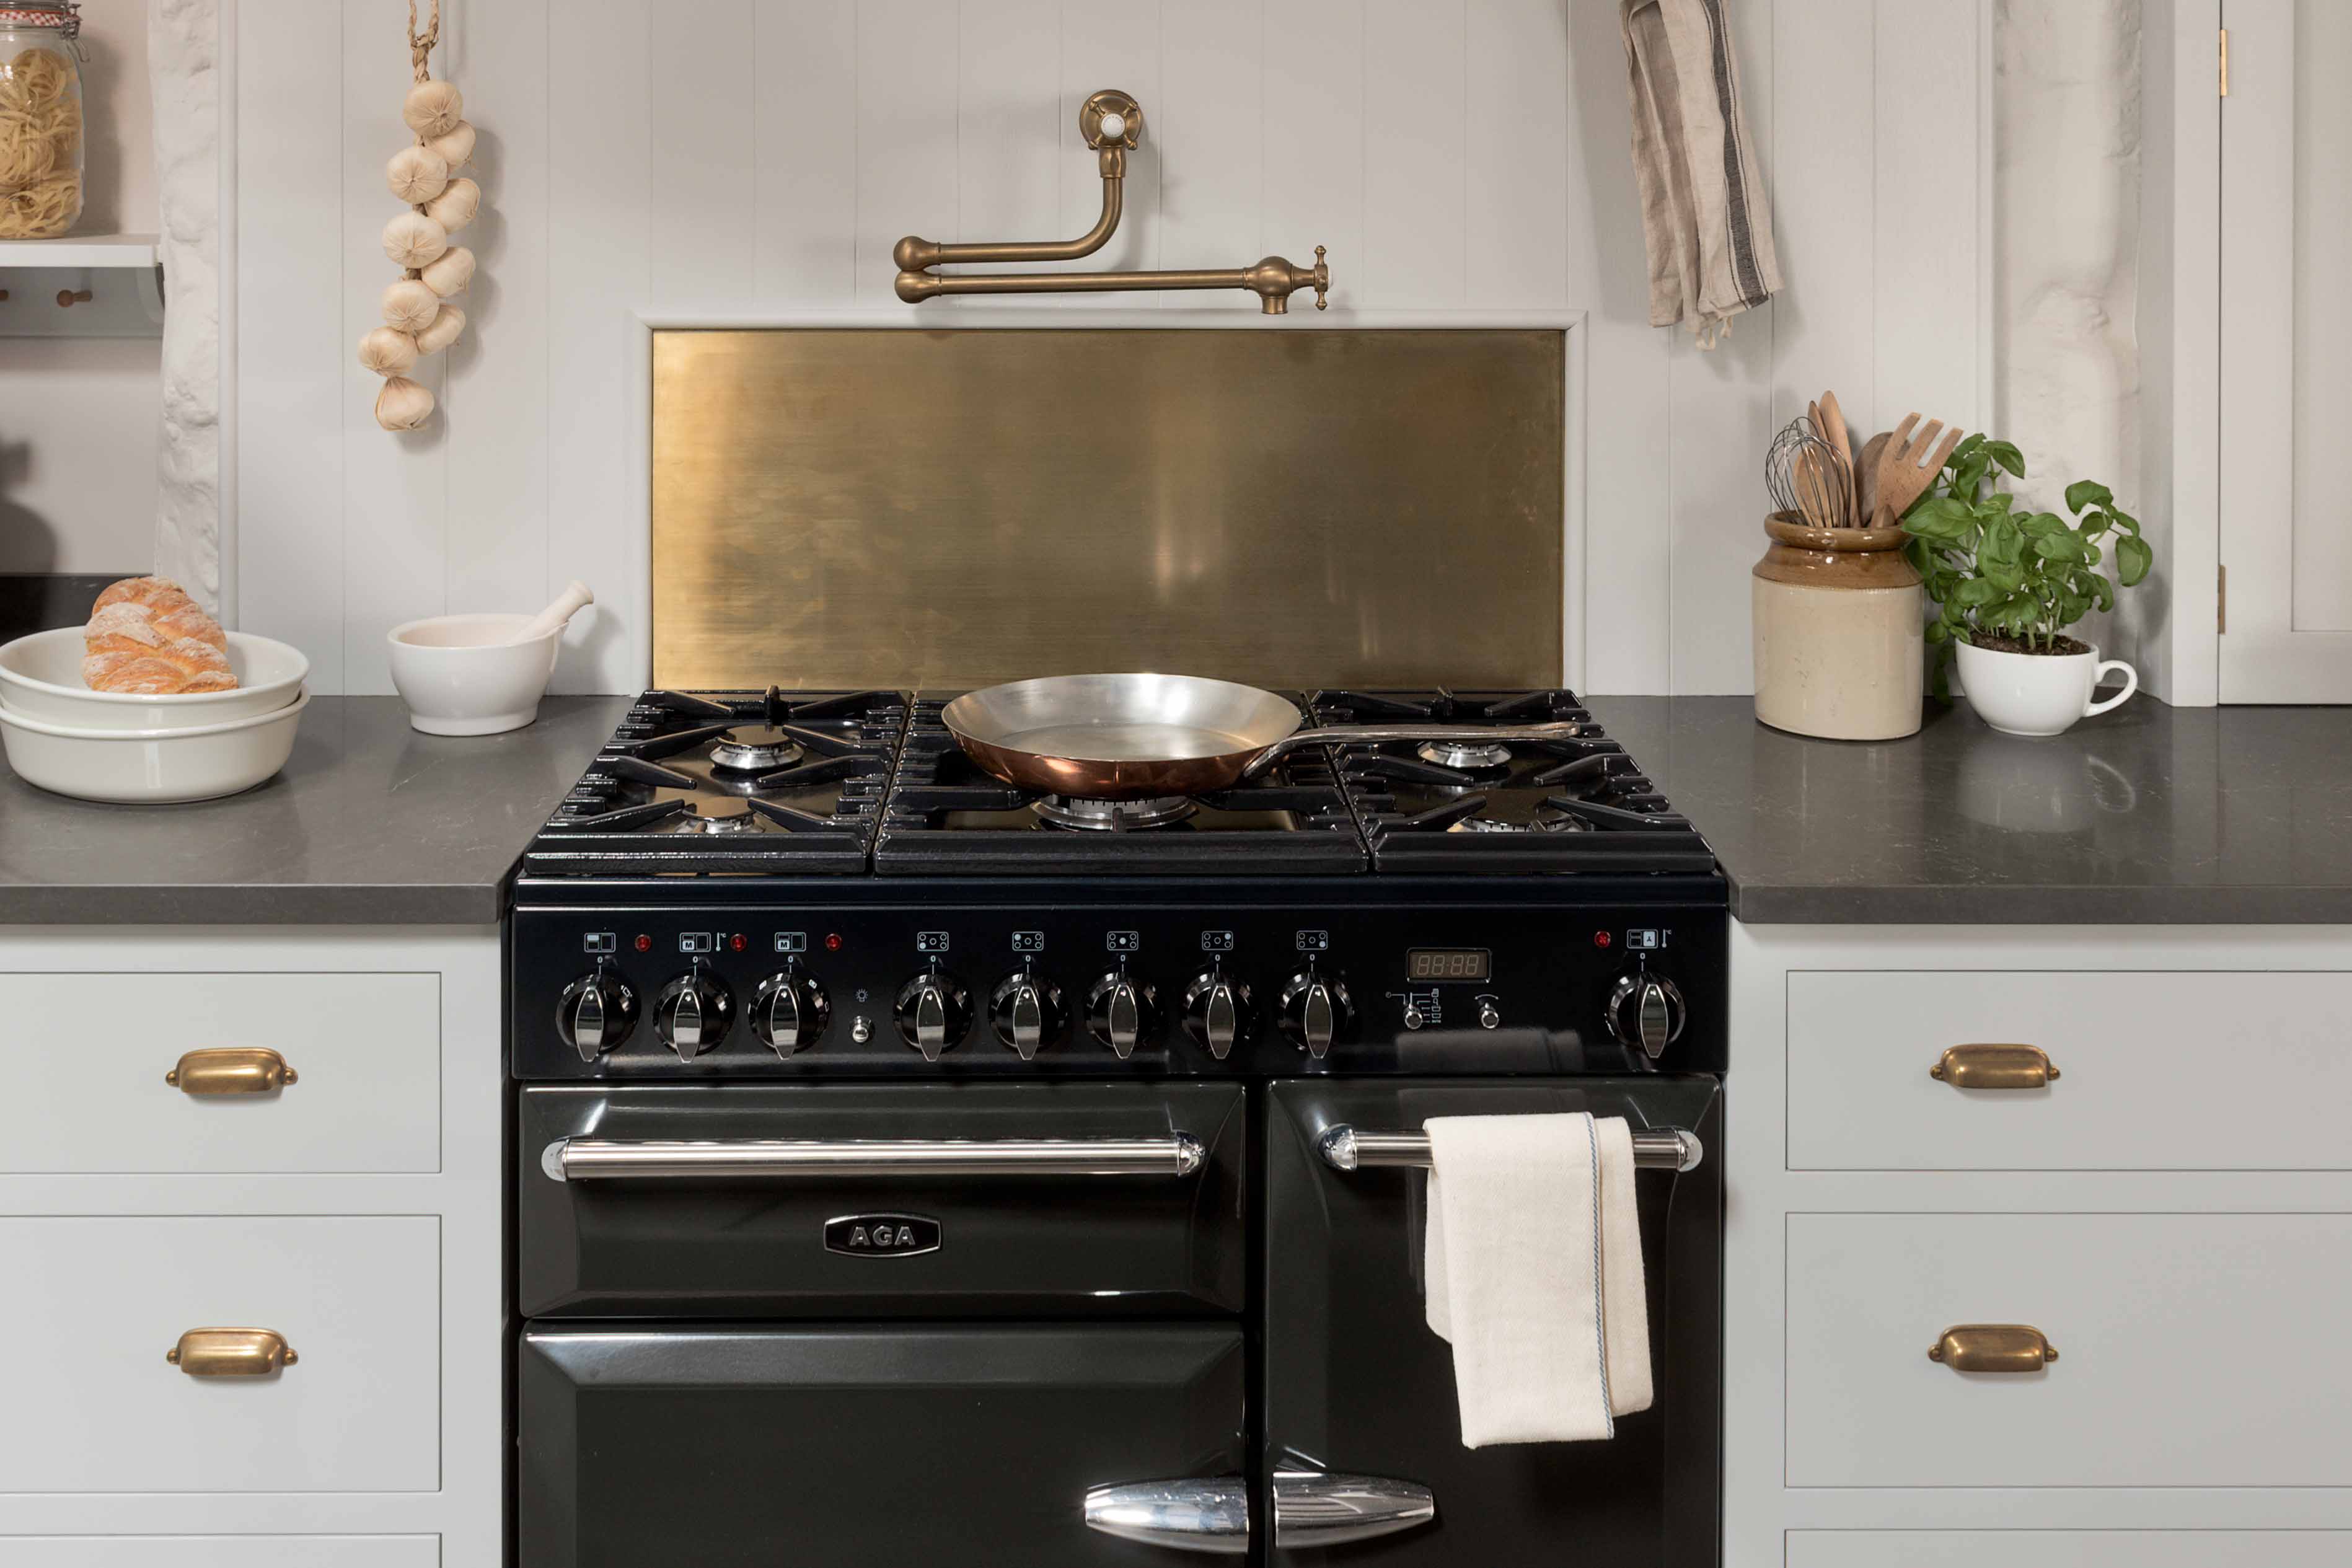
(2225, 62)
(2221, 601)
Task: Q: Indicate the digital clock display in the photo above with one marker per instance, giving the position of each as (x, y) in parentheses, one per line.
(1449, 963)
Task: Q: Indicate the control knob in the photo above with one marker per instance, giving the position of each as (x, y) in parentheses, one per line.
(1646, 1010)
(790, 1011)
(1121, 1012)
(1217, 1011)
(934, 1013)
(1027, 1011)
(1315, 1010)
(596, 1014)
(693, 1012)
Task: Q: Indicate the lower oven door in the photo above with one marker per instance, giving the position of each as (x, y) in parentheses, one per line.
(878, 1447)
(1362, 1425)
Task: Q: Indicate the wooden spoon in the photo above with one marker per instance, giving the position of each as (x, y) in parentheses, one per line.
(1903, 476)
(1833, 431)
(1865, 477)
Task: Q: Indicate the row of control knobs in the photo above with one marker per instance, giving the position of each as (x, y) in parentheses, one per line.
(933, 1011)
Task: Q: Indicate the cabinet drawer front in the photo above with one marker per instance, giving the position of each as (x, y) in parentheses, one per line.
(97, 1303)
(2138, 1057)
(220, 1551)
(2194, 1350)
(2069, 1548)
(366, 1050)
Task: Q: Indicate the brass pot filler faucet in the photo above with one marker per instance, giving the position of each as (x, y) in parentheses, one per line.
(1112, 123)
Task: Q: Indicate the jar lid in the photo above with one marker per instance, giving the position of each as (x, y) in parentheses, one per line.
(65, 16)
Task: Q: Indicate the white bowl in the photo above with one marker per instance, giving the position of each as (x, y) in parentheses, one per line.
(151, 766)
(40, 677)
(459, 676)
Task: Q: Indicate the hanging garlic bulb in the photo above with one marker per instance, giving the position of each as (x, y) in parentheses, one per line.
(403, 405)
(443, 332)
(454, 146)
(451, 273)
(455, 207)
(416, 174)
(432, 108)
(409, 305)
(387, 350)
(413, 240)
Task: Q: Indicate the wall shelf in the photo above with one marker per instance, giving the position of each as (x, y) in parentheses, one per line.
(94, 250)
(114, 282)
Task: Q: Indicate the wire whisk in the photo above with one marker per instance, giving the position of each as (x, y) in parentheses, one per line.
(1808, 475)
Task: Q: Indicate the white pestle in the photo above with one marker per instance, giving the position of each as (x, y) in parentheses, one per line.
(567, 604)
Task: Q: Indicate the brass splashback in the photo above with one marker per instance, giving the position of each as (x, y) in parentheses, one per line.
(892, 507)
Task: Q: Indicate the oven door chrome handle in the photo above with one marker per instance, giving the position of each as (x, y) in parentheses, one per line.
(600, 1159)
(1186, 1515)
(1346, 1147)
(1312, 1509)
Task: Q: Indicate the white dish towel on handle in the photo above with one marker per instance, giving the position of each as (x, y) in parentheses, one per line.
(1534, 1269)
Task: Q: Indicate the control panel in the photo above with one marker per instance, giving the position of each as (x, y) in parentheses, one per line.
(881, 991)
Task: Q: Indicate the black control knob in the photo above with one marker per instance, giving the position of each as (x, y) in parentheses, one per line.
(693, 1012)
(1316, 1010)
(1121, 1012)
(596, 1012)
(789, 1011)
(1027, 1011)
(934, 1013)
(1217, 1011)
(1646, 1010)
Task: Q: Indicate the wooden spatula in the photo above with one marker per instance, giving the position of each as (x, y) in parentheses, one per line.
(1865, 479)
(1907, 468)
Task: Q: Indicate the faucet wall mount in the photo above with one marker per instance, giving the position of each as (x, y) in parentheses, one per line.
(1112, 124)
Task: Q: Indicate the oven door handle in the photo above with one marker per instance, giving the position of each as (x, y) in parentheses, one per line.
(1346, 1147)
(604, 1159)
(1186, 1514)
(1313, 1508)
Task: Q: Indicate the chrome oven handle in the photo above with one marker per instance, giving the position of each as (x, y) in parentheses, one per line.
(598, 1159)
(1312, 1509)
(1185, 1514)
(1346, 1147)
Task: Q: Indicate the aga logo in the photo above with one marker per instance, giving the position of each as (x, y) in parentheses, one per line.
(882, 1235)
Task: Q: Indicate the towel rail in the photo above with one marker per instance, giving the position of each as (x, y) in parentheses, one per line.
(1346, 1147)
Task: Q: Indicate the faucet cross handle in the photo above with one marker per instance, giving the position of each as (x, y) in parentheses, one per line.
(1322, 281)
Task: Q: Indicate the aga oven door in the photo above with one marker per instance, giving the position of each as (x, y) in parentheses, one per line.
(1363, 1445)
(879, 1447)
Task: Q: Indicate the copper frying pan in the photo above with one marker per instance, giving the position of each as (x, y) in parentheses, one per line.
(1140, 737)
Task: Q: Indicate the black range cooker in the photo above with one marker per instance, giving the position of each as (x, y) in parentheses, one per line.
(912, 1170)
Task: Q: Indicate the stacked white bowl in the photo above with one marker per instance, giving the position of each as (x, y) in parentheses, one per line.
(121, 746)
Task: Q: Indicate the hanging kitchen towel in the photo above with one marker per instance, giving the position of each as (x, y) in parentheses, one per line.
(1705, 219)
(1534, 1270)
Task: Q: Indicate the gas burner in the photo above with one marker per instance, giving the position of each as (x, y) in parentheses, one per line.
(1112, 815)
(754, 748)
(694, 821)
(1464, 754)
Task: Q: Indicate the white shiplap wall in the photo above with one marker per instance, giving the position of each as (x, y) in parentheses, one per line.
(718, 156)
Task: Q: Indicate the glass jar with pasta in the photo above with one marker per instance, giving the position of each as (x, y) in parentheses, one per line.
(40, 119)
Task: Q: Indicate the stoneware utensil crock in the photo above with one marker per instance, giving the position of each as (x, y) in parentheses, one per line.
(1837, 616)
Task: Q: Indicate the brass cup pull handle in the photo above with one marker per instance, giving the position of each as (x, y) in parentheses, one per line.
(1995, 1067)
(231, 1352)
(243, 1069)
(1993, 1347)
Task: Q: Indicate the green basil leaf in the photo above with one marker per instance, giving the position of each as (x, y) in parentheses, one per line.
(2133, 558)
(2087, 492)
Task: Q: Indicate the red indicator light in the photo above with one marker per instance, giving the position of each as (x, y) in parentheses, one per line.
(738, 942)
(645, 944)
(832, 942)
(1601, 939)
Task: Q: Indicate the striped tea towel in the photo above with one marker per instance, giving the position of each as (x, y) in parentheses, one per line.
(1704, 214)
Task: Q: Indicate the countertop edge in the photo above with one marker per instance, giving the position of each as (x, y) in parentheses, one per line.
(1978, 904)
(255, 904)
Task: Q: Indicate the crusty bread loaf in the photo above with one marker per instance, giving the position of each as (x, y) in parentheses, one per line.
(146, 636)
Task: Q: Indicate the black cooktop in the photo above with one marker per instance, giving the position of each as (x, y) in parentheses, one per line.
(774, 783)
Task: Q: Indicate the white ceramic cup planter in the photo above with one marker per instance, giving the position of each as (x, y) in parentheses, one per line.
(2038, 693)
(154, 767)
(460, 676)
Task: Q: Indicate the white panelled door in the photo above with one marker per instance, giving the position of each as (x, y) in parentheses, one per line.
(2286, 374)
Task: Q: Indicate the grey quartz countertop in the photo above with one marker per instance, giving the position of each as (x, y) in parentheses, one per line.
(369, 823)
(2147, 815)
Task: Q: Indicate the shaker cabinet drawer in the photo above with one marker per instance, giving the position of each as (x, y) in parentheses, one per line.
(1891, 1071)
(2067, 1548)
(220, 1074)
(220, 1551)
(95, 1307)
(2192, 1350)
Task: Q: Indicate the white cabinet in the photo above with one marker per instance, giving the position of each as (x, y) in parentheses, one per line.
(220, 1552)
(2063, 1548)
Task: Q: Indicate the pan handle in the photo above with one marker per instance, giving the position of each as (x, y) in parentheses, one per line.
(1377, 734)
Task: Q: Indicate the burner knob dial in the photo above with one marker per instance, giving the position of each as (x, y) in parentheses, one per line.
(1646, 1010)
(1316, 1010)
(1027, 1011)
(693, 1012)
(1217, 1011)
(789, 1011)
(1121, 1012)
(934, 1013)
(596, 1012)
